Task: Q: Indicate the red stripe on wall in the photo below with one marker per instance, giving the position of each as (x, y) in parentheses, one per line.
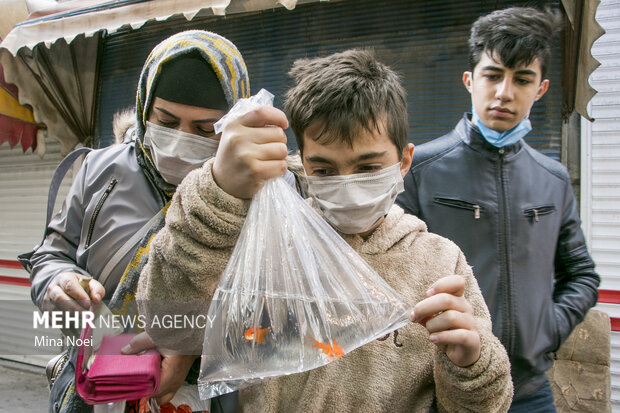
(615, 323)
(5, 279)
(12, 264)
(609, 296)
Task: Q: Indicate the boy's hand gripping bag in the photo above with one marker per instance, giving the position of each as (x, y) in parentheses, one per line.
(294, 296)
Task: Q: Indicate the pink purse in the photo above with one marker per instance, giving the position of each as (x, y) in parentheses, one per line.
(114, 376)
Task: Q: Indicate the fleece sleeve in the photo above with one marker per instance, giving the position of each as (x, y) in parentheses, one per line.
(188, 256)
(486, 385)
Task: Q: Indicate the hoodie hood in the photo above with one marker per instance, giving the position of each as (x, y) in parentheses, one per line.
(397, 232)
(124, 125)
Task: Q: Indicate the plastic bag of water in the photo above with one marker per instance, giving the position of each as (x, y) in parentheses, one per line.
(294, 295)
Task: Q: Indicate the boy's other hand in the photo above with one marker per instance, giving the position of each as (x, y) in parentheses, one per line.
(252, 150)
(449, 318)
(174, 367)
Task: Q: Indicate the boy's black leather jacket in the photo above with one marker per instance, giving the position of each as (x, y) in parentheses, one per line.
(513, 213)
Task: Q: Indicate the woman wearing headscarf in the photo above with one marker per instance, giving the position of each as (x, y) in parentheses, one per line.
(188, 82)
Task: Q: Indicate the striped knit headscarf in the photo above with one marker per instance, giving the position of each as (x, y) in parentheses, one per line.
(218, 51)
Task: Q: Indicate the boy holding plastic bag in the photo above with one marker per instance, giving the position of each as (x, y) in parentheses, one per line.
(348, 112)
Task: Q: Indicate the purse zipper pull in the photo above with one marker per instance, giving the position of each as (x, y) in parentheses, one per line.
(536, 215)
(476, 211)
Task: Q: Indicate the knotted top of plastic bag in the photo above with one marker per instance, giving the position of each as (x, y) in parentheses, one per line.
(243, 106)
(294, 295)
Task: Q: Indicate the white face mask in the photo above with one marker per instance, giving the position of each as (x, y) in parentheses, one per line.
(354, 203)
(177, 153)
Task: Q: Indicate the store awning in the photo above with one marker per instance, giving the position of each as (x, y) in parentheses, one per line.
(55, 51)
(53, 56)
(578, 60)
(68, 19)
(17, 124)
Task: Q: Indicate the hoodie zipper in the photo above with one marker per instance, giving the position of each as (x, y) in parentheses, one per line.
(460, 204)
(537, 212)
(507, 331)
(98, 207)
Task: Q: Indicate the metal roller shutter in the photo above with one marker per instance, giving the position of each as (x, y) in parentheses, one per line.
(425, 41)
(601, 174)
(24, 183)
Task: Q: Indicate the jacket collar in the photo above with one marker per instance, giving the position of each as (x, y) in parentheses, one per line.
(470, 134)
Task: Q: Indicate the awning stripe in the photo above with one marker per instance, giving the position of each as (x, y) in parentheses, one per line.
(91, 9)
(15, 131)
(609, 296)
(9, 106)
(6, 279)
(12, 89)
(12, 264)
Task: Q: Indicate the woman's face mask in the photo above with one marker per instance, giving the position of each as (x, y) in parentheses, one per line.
(355, 203)
(176, 153)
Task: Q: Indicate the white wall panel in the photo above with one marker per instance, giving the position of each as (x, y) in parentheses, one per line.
(601, 172)
(24, 183)
(615, 371)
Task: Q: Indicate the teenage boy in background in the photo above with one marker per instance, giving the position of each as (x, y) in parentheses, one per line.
(349, 115)
(511, 209)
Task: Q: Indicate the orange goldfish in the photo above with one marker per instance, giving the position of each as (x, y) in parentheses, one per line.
(256, 334)
(333, 351)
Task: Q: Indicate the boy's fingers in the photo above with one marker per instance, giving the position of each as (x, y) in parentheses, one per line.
(264, 116)
(266, 134)
(460, 337)
(452, 284)
(450, 320)
(438, 303)
(174, 369)
(139, 343)
(461, 346)
(161, 400)
(271, 152)
(242, 136)
(271, 169)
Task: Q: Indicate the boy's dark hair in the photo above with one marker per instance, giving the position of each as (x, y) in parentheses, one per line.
(346, 91)
(517, 35)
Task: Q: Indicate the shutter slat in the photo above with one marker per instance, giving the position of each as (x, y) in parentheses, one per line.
(425, 41)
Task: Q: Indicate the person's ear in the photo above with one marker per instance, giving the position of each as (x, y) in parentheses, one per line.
(542, 89)
(406, 160)
(467, 79)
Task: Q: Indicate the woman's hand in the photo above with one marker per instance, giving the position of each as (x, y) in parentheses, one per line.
(65, 293)
(449, 318)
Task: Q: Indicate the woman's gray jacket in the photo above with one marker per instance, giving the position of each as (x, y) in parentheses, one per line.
(110, 199)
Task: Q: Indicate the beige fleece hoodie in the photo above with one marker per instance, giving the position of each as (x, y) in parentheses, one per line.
(401, 373)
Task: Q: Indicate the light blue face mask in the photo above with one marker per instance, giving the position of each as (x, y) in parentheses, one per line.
(501, 139)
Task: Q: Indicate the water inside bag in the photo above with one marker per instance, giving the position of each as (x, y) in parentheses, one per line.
(294, 296)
